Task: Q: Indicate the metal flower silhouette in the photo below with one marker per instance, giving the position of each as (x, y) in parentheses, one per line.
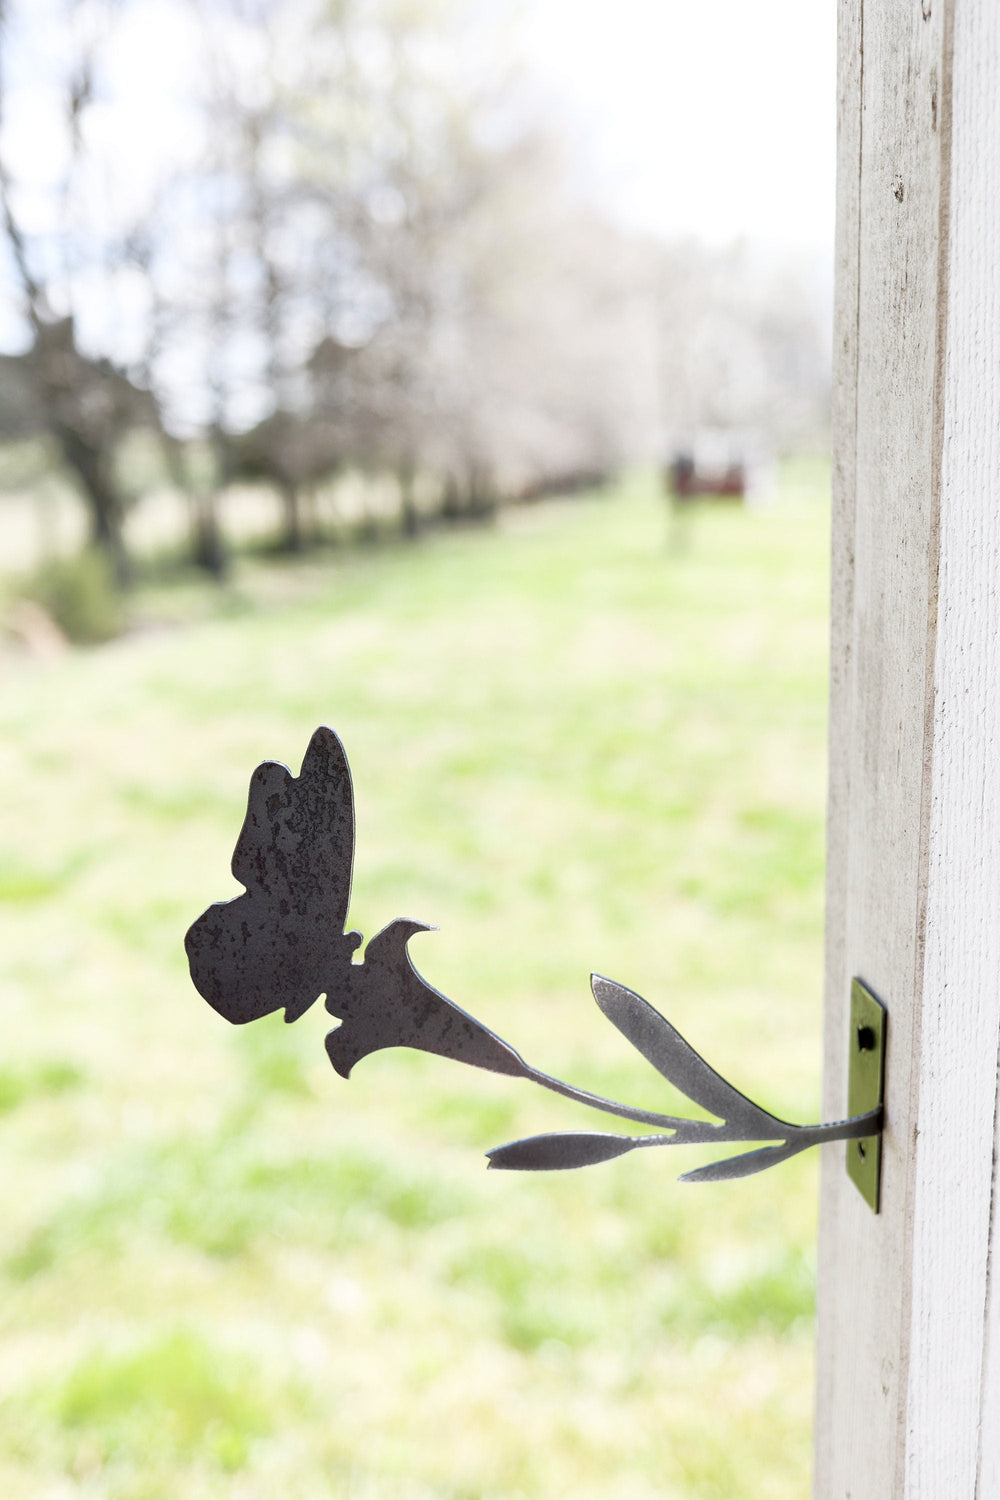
(283, 945)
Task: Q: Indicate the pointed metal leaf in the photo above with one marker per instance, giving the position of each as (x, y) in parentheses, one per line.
(745, 1165)
(558, 1153)
(662, 1045)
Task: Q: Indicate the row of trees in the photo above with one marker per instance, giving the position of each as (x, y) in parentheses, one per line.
(303, 236)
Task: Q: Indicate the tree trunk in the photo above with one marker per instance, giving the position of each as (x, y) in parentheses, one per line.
(408, 517)
(293, 540)
(208, 547)
(104, 502)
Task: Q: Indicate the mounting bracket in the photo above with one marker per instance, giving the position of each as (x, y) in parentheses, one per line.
(865, 1083)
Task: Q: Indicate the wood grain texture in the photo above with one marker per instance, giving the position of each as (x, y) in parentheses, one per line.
(906, 1372)
(953, 1400)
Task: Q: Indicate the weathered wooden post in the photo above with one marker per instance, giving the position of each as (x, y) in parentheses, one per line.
(908, 1400)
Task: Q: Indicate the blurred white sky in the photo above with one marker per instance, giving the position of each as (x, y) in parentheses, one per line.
(715, 118)
(706, 118)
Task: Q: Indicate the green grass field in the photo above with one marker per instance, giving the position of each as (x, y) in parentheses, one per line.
(227, 1273)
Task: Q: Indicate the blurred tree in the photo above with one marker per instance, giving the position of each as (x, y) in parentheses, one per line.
(741, 346)
(395, 278)
(349, 242)
(88, 404)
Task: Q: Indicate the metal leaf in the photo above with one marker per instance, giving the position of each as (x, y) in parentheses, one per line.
(745, 1165)
(558, 1153)
(662, 1045)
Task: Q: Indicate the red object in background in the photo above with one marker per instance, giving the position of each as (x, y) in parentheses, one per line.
(685, 480)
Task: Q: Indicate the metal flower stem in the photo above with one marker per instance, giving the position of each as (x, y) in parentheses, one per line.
(703, 1132)
(550, 1152)
(671, 1054)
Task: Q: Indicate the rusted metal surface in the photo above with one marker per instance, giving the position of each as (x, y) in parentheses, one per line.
(283, 945)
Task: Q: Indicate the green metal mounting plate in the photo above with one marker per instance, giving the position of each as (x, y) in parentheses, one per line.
(865, 1076)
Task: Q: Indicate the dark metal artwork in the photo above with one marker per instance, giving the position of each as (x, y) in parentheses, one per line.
(283, 945)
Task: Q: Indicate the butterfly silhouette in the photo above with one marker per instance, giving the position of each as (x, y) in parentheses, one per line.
(283, 944)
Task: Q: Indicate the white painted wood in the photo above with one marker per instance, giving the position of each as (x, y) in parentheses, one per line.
(954, 1370)
(908, 1394)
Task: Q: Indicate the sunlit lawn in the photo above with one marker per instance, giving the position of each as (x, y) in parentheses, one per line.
(226, 1272)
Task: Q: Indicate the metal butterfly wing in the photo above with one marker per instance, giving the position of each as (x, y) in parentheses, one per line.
(278, 945)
